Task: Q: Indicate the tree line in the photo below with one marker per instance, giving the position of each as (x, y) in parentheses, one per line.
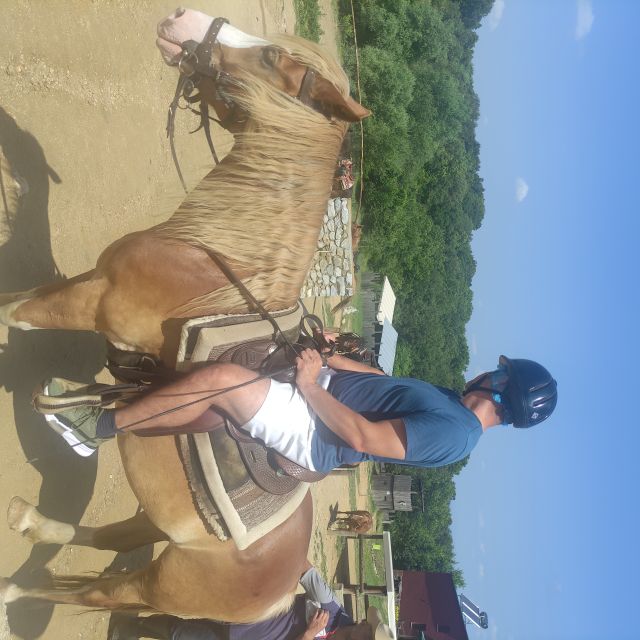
(423, 197)
(422, 200)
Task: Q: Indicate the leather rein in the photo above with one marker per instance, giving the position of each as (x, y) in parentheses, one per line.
(194, 64)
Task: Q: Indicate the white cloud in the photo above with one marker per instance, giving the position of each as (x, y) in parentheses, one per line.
(483, 548)
(481, 570)
(522, 189)
(495, 15)
(584, 20)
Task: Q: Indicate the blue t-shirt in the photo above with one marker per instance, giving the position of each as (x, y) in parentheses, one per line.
(440, 429)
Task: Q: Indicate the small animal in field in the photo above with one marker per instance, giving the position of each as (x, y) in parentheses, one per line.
(352, 521)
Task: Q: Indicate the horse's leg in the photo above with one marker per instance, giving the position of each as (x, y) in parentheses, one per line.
(119, 536)
(112, 592)
(69, 304)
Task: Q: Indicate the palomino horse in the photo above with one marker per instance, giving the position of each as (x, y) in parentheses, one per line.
(352, 521)
(148, 282)
(281, 165)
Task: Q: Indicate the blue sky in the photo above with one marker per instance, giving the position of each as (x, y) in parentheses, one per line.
(546, 520)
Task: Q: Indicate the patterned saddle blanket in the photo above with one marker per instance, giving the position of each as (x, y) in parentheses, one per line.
(228, 498)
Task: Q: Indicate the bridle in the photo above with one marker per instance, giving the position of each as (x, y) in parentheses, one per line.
(196, 62)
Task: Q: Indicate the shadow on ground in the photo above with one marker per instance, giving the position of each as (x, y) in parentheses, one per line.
(26, 261)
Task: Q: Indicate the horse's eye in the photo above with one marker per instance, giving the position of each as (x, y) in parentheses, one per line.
(270, 56)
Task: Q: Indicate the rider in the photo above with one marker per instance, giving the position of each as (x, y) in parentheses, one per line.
(344, 413)
(316, 614)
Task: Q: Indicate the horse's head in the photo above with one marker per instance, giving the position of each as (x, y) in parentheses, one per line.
(221, 59)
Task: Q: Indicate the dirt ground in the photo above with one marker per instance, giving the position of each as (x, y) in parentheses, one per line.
(83, 103)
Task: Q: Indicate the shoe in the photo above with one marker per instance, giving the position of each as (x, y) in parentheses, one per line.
(76, 423)
(58, 394)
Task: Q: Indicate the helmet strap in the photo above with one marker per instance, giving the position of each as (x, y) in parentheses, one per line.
(496, 396)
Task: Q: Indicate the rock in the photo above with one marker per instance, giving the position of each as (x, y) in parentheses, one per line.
(349, 278)
(331, 209)
(345, 216)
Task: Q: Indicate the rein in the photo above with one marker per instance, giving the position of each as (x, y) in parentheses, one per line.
(194, 63)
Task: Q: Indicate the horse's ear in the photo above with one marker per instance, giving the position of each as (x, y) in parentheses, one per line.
(344, 108)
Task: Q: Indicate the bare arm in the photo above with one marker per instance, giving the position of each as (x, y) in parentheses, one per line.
(340, 363)
(317, 623)
(386, 438)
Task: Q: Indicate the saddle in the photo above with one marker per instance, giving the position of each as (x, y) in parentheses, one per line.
(250, 341)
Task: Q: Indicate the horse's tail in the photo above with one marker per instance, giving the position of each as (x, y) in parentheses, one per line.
(282, 606)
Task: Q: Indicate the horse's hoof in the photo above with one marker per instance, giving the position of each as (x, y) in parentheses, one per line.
(22, 516)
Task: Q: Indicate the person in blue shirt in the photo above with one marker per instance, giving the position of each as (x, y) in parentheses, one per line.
(345, 412)
(314, 615)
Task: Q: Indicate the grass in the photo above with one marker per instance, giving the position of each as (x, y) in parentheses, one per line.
(319, 556)
(308, 19)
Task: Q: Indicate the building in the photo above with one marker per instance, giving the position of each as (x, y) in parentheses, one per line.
(429, 608)
(378, 305)
(392, 492)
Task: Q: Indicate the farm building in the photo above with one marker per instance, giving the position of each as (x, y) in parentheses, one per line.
(428, 607)
(378, 305)
(392, 492)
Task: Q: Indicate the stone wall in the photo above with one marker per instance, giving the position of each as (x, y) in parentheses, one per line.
(331, 272)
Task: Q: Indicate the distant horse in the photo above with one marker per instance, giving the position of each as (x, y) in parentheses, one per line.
(352, 521)
(260, 209)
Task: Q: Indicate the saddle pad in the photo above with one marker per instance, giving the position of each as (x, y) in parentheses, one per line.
(207, 338)
(227, 498)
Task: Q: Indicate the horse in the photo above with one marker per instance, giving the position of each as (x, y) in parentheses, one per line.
(146, 284)
(352, 521)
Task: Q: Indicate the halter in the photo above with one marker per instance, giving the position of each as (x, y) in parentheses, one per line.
(195, 63)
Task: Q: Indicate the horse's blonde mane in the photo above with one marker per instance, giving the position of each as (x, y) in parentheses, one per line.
(262, 206)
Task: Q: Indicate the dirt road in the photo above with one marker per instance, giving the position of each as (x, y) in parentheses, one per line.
(83, 102)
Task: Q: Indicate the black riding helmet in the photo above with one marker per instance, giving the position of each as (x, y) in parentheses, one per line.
(531, 393)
